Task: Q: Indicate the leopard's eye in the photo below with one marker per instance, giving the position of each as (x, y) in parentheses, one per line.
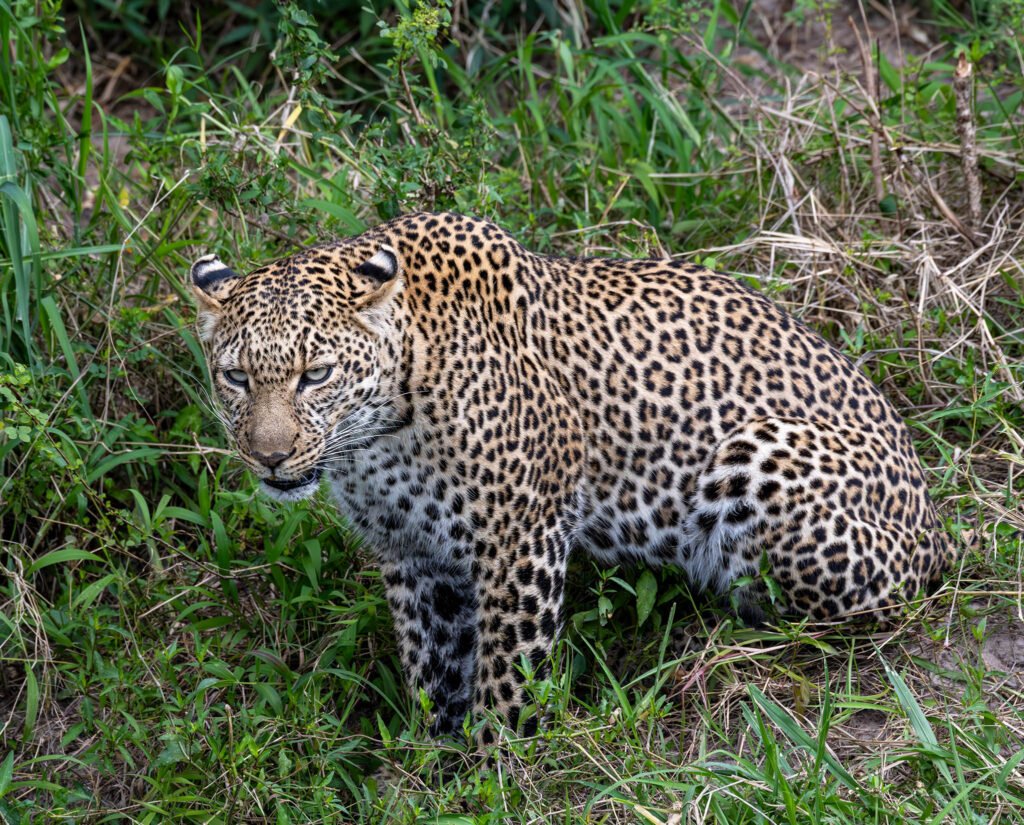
(237, 377)
(317, 375)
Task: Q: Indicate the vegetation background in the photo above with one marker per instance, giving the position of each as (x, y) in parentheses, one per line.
(174, 648)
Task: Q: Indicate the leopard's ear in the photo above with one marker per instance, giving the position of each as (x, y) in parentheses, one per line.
(385, 274)
(384, 270)
(212, 282)
(212, 279)
(382, 267)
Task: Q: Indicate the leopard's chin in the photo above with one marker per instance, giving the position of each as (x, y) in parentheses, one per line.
(291, 489)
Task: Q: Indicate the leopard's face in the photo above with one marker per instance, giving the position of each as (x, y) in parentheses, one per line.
(302, 358)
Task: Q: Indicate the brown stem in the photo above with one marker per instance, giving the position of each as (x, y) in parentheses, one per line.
(962, 86)
(408, 96)
(871, 87)
(261, 225)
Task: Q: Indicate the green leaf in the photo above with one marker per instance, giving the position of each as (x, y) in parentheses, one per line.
(646, 591)
(172, 754)
(24, 270)
(346, 216)
(184, 514)
(140, 455)
(6, 773)
(87, 595)
(385, 734)
(31, 701)
(175, 80)
(643, 172)
(890, 74)
(889, 205)
(269, 695)
(60, 557)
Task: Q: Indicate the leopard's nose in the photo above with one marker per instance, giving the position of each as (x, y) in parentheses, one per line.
(272, 460)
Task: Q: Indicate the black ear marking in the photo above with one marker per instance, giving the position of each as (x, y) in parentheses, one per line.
(209, 271)
(383, 266)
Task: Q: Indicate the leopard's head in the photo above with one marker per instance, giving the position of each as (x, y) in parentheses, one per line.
(304, 357)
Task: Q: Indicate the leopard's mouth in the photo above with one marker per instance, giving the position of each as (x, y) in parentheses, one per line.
(293, 489)
(293, 484)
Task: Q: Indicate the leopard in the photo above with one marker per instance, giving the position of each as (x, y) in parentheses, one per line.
(480, 413)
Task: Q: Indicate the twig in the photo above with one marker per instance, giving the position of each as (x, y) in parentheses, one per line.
(115, 75)
(962, 86)
(871, 87)
(408, 96)
(260, 225)
(940, 203)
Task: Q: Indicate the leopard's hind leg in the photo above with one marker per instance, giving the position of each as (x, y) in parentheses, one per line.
(846, 525)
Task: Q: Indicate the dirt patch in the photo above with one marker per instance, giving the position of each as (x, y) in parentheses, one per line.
(827, 40)
(995, 647)
(1003, 650)
(866, 728)
(830, 43)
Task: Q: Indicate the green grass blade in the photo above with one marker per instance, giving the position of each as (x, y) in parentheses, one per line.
(785, 723)
(10, 235)
(140, 455)
(85, 129)
(31, 701)
(919, 722)
(59, 331)
(18, 235)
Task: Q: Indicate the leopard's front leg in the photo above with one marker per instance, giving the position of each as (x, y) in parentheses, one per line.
(434, 607)
(520, 586)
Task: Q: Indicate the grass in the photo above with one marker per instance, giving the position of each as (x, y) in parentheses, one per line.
(174, 648)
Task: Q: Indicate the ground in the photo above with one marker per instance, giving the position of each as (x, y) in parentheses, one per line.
(175, 648)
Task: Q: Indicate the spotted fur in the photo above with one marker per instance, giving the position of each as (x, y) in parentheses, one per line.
(487, 410)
